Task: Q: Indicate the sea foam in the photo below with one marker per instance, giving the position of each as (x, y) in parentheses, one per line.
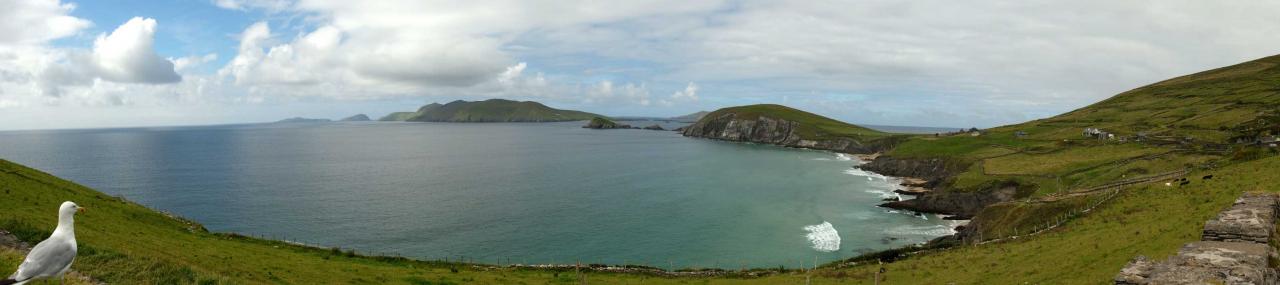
(824, 237)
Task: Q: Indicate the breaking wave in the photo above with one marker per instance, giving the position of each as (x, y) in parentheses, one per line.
(932, 231)
(869, 175)
(824, 237)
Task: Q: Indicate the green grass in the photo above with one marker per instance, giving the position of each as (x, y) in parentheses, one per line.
(1063, 160)
(496, 110)
(1152, 220)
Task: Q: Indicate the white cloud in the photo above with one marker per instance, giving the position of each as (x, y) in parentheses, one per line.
(605, 92)
(984, 62)
(308, 59)
(690, 93)
(422, 47)
(269, 5)
(183, 64)
(128, 55)
(37, 21)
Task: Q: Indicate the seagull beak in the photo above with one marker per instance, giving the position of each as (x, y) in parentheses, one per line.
(80, 209)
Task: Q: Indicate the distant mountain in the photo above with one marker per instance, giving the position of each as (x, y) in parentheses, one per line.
(303, 120)
(356, 118)
(493, 110)
(690, 117)
(397, 116)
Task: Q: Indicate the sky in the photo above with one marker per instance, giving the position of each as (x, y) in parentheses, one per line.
(116, 63)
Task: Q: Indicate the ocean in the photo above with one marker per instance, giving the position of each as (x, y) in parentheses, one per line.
(494, 192)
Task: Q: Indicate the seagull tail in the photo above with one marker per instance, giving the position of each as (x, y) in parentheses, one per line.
(8, 282)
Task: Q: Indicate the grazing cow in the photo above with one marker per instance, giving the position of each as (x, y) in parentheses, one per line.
(1184, 183)
(1207, 177)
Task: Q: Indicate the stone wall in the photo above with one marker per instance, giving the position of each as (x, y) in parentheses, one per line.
(1234, 250)
(1251, 219)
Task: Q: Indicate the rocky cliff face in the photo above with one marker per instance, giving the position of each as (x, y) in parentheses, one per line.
(963, 205)
(941, 200)
(932, 169)
(777, 132)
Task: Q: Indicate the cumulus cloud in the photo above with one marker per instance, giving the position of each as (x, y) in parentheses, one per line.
(187, 63)
(422, 46)
(690, 93)
(308, 59)
(37, 21)
(606, 92)
(128, 55)
(270, 5)
(983, 62)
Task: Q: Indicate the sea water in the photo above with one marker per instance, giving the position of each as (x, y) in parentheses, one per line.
(494, 192)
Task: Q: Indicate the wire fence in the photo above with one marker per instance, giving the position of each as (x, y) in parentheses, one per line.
(1056, 221)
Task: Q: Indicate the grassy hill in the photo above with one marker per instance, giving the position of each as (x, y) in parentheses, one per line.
(1189, 123)
(397, 116)
(492, 110)
(811, 126)
(692, 117)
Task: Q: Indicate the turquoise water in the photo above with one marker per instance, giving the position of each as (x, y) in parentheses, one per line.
(524, 192)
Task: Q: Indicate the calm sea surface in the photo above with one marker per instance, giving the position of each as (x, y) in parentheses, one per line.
(528, 192)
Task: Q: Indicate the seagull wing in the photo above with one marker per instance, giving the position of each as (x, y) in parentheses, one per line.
(49, 258)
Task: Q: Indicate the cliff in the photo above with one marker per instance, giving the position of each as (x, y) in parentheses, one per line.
(784, 126)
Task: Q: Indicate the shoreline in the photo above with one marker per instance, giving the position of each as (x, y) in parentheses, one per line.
(911, 186)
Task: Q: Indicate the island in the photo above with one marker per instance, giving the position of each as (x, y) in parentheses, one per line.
(356, 118)
(295, 120)
(602, 123)
(492, 110)
(785, 126)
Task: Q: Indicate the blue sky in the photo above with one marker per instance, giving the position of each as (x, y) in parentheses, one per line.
(115, 63)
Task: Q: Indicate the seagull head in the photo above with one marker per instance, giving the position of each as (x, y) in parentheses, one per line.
(69, 208)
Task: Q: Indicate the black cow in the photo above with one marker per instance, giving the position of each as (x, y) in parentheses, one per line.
(1184, 183)
(1207, 177)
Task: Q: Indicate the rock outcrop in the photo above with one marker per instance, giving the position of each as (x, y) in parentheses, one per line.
(654, 127)
(932, 170)
(767, 130)
(1235, 250)
(963, 205)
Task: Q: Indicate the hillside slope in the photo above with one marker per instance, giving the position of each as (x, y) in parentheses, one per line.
(1237, 101)
(492, 110)
(785, 126)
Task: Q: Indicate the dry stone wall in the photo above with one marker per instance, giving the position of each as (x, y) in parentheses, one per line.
(1233, 249)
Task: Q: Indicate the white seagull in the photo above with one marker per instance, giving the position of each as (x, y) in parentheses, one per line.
(52, 257)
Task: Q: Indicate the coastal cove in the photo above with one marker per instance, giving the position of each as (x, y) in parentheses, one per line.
(533, 192)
